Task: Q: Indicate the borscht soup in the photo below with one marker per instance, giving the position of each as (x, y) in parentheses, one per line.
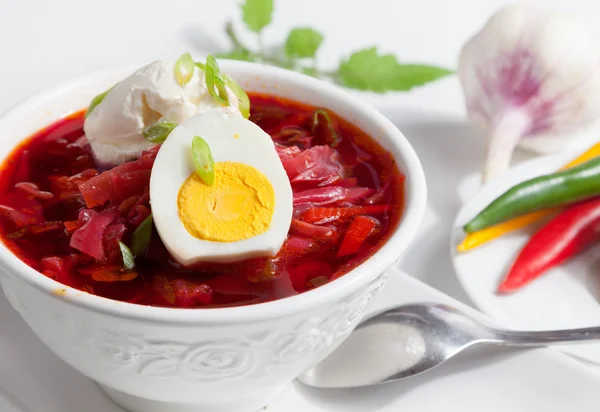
(194, 194)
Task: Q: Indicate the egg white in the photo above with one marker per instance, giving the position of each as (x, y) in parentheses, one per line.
(230, 138)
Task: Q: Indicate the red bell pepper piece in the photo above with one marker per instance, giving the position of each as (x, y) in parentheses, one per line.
(189, 294)
(108, 273)
(568, 234)
(296, 246)
(360, 229)
(311, 231)
(321, 215)
(71, 226)
(301, 274)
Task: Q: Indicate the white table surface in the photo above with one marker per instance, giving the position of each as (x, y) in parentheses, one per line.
(43, 43)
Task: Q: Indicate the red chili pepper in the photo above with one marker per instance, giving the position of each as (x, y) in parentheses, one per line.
(360, 229)
(568, 234)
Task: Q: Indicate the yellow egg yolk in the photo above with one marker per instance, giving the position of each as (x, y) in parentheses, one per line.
(238, 206)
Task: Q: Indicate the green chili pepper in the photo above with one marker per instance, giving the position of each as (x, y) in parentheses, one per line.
(561, 188)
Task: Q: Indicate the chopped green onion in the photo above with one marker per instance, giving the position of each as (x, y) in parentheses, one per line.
(200, 65)
(18, 234)
(184, 69)
(222, 91)
(96, 101)
(318, 281)
(158, 132)
(214, 81)
(243, 100)
(141, 236)
(164, 288)
(204, 160)
(128, 261)
(323, 127)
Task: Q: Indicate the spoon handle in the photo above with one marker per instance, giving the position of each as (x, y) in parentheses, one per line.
(542, 338)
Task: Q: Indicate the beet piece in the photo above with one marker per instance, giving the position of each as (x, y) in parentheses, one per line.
(89, 238)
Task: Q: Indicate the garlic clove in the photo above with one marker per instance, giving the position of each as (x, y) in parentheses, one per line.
(532, 77)
(580, 139)
(508, 129)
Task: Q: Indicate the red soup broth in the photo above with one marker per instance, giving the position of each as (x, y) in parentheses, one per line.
(42, 208)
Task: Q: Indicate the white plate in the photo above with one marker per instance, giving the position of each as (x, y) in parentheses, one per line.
(565, 297)
(516, 380)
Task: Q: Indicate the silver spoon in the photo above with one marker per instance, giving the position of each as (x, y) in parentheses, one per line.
(412, 339)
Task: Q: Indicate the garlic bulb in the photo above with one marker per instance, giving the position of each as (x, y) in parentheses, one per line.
(532, 77)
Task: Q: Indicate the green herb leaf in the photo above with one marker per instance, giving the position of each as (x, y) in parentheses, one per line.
(239, 52)
(243, 55)
(243, 100)
(204, 160)
(184, 69)
(274, 61)
(200, 65)
(310, 71)
(141, 236)
(257, 14)
(368, 70)
(303, 42)
(128, 261)
(96, 101)
(412, 75)
(113, 274)
(158, 132)
(214, 81)
(365, 69)
(323, 128)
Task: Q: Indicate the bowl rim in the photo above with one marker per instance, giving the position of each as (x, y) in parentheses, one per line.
(414, 208)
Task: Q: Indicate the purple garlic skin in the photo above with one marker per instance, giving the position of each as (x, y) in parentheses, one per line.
(532, 78)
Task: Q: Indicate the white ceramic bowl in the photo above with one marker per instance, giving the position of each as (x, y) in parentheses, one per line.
(151, 359)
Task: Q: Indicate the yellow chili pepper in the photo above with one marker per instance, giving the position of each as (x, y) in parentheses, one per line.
(472, 240)
(592, 152)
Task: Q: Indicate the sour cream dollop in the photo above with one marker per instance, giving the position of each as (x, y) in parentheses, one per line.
(115, 127)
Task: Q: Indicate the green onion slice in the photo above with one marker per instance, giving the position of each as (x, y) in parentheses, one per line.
(141, 236)
(158, 132)
(96, 101)
(323, 127)
(214, 81)
(128, 261)
(184, 69)
(243, 100)
(200, 65)
(163, 286)
(204, 160)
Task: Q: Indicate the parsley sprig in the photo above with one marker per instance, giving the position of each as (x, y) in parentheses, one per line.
(366, 69)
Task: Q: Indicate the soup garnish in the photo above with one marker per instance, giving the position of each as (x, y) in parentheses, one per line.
(91, 225)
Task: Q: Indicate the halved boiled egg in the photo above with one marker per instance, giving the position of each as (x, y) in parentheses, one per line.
(244, 213)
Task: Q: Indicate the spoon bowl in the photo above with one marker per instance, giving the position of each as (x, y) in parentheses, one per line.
(411, 339)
